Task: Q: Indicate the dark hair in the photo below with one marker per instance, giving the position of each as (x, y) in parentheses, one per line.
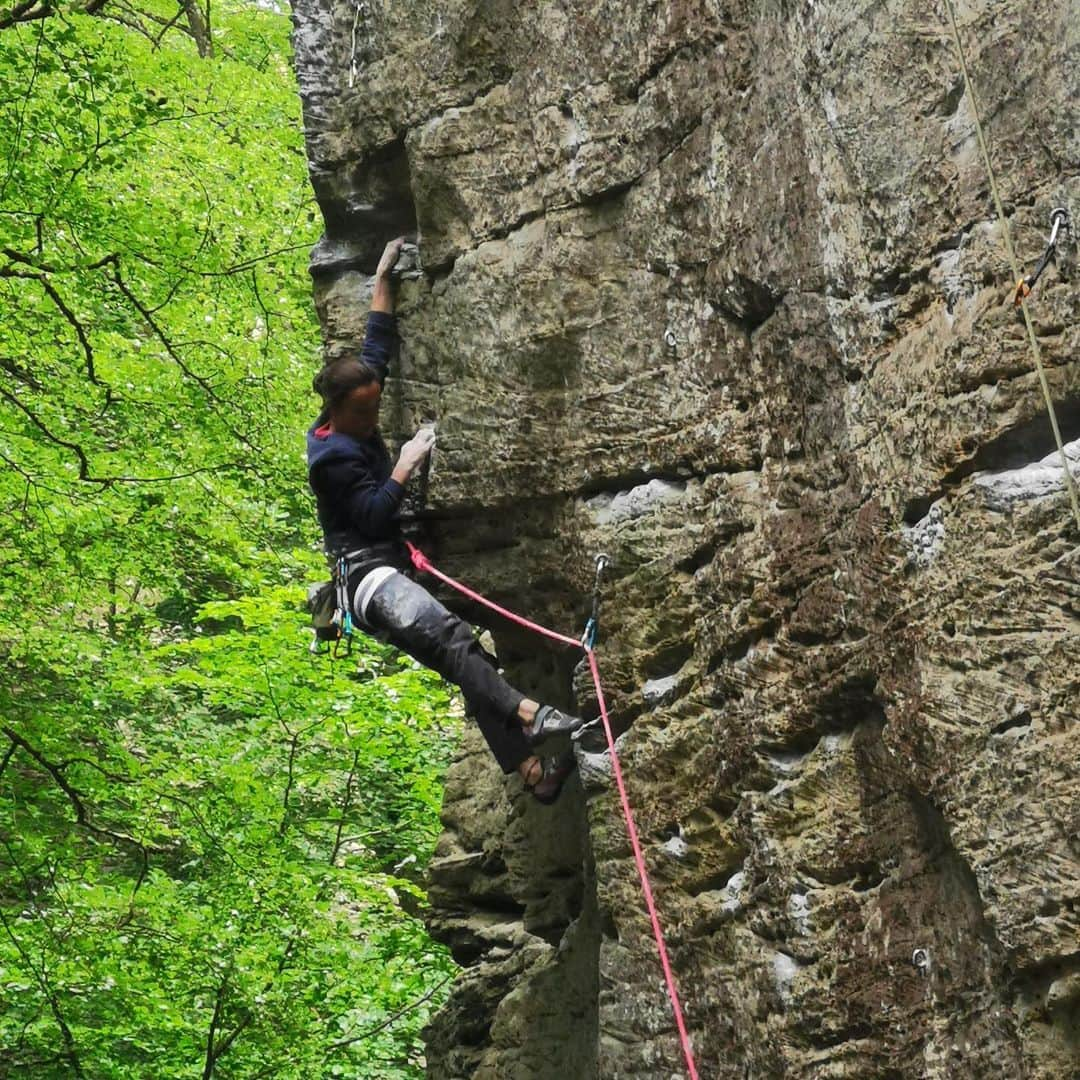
(340, 377)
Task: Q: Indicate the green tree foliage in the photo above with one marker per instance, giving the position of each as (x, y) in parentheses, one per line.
(210, 840)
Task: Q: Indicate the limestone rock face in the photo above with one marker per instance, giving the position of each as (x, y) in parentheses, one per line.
(718, 289)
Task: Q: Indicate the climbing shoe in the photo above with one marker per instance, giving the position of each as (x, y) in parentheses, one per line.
(550, 722)
(549, 785)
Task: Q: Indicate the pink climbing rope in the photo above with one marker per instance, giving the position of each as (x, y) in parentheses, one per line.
(421, 562)
(646, 888)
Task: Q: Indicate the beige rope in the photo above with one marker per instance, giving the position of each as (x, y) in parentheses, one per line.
(1069, 484)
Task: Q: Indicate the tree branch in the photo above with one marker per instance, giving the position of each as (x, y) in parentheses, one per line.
(176, 357)
(84, 464)
(393, 1018)
(82, 815)
(25, 11)
(37, 264)
(346, 803)
(68, 314)
(224, 1045)
(15, 150)
(165, 28)
(117, 777)
(294, 744)
(247, 264)
(7, 758)
(211, 1056)
(50, 996)
(41, 277)
(199, 23)
(108, 481)
(15, 371)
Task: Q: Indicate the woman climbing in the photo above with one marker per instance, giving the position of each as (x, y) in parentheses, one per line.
(358, 493)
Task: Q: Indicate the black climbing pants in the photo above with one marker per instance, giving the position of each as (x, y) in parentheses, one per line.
(410, 618)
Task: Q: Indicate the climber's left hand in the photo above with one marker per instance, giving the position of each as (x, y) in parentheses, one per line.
(389, 257)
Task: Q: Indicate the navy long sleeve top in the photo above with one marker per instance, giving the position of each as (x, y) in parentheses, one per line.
(357, 499)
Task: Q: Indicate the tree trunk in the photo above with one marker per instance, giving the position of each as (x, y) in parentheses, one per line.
(199, 25)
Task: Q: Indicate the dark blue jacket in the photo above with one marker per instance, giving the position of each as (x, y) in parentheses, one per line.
(357, 500)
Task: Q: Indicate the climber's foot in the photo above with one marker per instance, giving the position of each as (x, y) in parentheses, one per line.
(549, 722)
(545, 779)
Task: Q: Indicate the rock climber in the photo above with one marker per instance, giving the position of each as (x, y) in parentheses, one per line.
(358, 493)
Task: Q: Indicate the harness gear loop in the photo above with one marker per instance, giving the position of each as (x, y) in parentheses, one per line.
(342, 616)
(588, 638)
(1059, 219)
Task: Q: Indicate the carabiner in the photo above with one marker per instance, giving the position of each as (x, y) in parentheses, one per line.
(588, 638)
(1059, 218)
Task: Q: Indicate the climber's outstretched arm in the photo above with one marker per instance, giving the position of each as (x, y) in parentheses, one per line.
(382, 299)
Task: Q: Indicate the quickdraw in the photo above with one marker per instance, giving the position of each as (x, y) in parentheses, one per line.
(331, 619)
(592, 627)
(1059, 219)
(342, 616)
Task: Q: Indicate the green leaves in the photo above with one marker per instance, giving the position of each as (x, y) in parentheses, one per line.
(211, 841)
(219, 825)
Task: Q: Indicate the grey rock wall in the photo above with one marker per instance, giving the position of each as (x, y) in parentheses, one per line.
(717, 288)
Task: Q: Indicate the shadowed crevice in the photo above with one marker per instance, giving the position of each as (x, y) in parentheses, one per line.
(1023, 444)
(363, 206)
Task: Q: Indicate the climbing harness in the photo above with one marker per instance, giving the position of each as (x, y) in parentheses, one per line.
(1059, 218)
(588, 638)
(970, 89)
(331, 619)
(586, 643)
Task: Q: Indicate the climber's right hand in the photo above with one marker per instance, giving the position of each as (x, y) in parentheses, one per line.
(416, 449)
